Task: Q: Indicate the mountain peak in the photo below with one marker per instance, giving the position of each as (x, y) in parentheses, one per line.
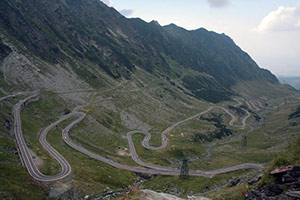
(155, 22)
(174, 26)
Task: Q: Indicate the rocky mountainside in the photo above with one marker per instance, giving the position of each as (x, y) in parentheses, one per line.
(150, 195)
(282, 179)
(85, 44)
(286, 186)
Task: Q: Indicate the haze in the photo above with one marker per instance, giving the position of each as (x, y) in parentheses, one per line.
(268, 30)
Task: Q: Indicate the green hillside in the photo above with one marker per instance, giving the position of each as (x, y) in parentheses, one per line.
(129, 75)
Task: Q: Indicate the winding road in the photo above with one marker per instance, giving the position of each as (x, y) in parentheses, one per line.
(150, 168)
(251, 105)
(145, 142)
(13, 95)
(147, 169)
(25, 153)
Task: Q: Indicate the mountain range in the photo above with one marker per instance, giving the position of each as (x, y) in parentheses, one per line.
(94, 42)
(94, 105)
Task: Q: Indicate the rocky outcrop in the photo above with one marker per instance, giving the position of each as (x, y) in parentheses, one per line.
(17, 69)
(152, 195)
(286, 186)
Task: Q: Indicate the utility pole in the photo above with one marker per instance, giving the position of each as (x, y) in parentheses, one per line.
(184, 172)
(245, 142)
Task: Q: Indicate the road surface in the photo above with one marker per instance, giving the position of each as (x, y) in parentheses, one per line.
(251, 105)
(149, 168)
(66, 168)
(14, 95)
(25, 154)
(145, 142)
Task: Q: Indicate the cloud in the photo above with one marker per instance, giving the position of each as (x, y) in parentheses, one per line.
(127, 12)
(298, 24)
(108, 2)
(218, 3)
(282, 19)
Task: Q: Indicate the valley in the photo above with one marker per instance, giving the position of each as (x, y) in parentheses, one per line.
(66, 168)
(207, 158)
(95, 105)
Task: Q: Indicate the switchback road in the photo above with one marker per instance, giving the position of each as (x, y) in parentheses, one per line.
(66, 168)
(149, 168)
(13, 95)
(26, 154)
(145, 142)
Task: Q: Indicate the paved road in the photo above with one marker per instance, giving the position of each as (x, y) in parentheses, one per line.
(251, 105)
(66, 168)
(244, 121)
(244, 124)
(259, 103)
(26, 155)
(14, 95)
(208, 149)
(145, 142)
(149, 168)
(147, 138)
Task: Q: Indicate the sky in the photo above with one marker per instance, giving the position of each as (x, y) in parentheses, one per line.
(269, 30)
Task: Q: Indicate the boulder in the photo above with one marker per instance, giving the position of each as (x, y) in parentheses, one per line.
(288, 178)
(286, 187)
(255, 179)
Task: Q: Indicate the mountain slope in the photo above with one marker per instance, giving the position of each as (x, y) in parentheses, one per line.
(125, 75)
(97, 45)
(218, 54)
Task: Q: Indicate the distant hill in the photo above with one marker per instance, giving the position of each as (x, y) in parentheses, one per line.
(291, 80)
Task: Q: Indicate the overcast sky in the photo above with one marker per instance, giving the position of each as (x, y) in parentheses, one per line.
(269, 30)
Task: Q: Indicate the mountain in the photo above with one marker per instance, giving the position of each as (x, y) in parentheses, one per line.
(95, 43)
(291, 80)
(118, 81)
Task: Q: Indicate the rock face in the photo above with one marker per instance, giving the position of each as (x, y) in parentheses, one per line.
(286, 186)
(132, 122)
(17, 69)
(151, 195)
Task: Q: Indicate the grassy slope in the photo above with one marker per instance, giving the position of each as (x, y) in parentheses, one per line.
(286, 153)
(259, 148)
(89, 176)
(290, 156)
(258, 89)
